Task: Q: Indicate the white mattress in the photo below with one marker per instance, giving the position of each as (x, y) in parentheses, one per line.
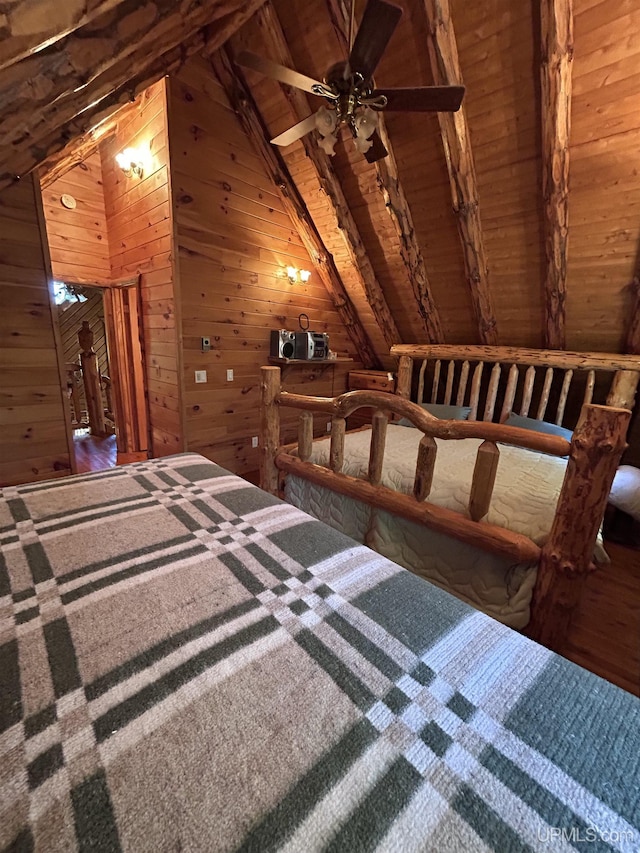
(524, 500)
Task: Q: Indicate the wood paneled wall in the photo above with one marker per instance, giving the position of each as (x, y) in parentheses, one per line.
(141, 242)
(33, 414)
(78, 238)
(234, 244)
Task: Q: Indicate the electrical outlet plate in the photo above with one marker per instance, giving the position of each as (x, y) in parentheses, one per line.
(328, 426)
(206, 344)
(229, 375)
(254, 441)
(201, 375)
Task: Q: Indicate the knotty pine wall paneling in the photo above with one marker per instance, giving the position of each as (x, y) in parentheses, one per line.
(141, 243)
(78, 238)
(234, 244)
(35, 441)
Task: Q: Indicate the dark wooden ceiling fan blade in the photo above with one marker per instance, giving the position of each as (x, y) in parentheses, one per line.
(443, 99)
(377, 150)
(296, 132)
(376, 28)
(277, 72)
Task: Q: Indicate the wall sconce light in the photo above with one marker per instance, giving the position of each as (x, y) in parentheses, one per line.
(131, 161)
(295, 275)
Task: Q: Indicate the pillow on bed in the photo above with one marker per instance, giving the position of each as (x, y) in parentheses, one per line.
(538, 426)
(444, 413)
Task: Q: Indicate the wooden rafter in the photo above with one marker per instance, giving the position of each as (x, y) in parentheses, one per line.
(396, 203)
(91, 69)
(336, 204)
(555, 77)
(445, 66)
(28, 27)
(632, 343)
(245, 108)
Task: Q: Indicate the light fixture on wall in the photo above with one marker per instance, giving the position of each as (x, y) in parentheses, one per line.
(131, 161)
(295, 275)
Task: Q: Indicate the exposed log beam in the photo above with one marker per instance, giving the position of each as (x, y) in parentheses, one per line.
(245, 108)
(396, 204)
(85, 72)
(632, 343)
(555, 77)
(336, 204)
(445, 66)
(28, 26)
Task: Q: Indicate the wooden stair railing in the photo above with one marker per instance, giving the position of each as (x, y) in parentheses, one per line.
(91, 380)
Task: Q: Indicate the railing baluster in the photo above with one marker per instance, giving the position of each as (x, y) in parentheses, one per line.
(484, 478)
(462, 383)
(305, 435)
(492, 392)
(527, 391)
(475, 391)
(564, 393)
(427, 450)
(544, 398)
(376, 452)
(336, 451)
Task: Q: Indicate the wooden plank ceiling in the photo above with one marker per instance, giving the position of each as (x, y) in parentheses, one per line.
(516, 220)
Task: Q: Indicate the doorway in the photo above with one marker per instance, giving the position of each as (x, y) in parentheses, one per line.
(102, 353)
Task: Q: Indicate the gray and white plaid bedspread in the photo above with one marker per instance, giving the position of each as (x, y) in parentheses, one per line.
(187, 664)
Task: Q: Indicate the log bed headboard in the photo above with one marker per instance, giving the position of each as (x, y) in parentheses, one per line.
(593, 453)
(457, 374)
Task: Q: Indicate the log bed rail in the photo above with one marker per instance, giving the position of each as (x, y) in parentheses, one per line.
(594, 454)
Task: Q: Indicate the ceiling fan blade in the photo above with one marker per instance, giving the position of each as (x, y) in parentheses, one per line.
(377, 150)
(296, 132)
(277, 72)
(443, 99)
(376, 28)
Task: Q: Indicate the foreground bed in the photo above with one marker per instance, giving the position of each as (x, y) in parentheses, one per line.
(476, 538)
(187, 663)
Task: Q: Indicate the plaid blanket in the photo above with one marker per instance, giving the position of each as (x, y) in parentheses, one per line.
(187, 663)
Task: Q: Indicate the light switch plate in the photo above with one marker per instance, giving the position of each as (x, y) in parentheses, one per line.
(201, 375)
(229, 375)
(254, 441)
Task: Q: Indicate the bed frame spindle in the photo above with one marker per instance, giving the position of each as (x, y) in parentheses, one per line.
(462, 383)
(449, 386)
(492, 392)
(544, 397)
(436, 381)
(510, 393)
(564, 393)
(475, 391)
(336, 452)
(427, 450)
(423, 367)
(484, 478)
(305, 435)
(527, 392)
(376, 454)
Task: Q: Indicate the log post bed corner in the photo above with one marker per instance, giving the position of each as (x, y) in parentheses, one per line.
(593, 454)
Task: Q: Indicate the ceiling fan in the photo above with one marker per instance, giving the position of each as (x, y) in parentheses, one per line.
(348, 87)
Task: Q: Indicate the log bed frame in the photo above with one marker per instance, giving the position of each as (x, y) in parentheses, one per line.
(594, 453)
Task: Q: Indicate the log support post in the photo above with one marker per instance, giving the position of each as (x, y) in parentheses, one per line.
(597, 445)
(405, 368)
(555, 78)
(269, 429)
(91, 380)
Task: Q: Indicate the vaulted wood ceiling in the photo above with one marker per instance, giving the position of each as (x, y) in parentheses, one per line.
(516, 220)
